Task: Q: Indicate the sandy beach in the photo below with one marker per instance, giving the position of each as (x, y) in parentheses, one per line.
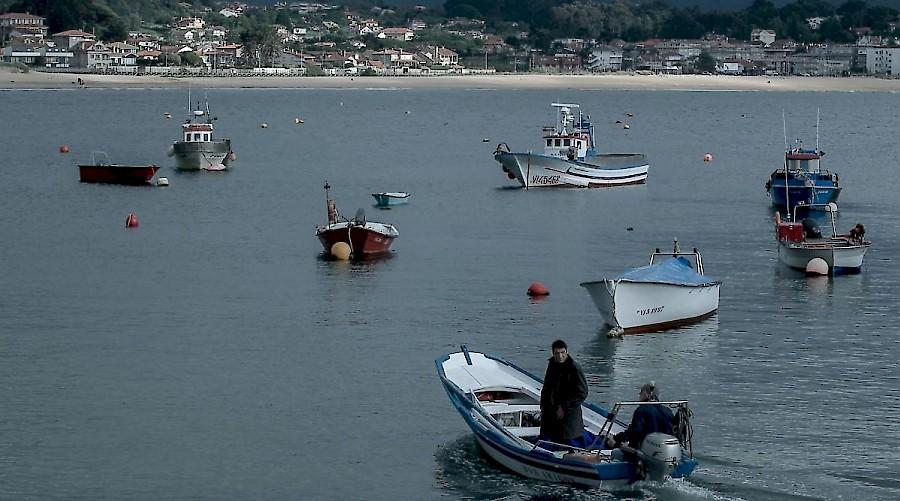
(11, 79)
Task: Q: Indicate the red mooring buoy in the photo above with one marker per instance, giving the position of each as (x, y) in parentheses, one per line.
(132, 221)
(64, 148)
(538, 289)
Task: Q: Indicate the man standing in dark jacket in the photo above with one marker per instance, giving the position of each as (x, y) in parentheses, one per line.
(647, 419)
(564, 390)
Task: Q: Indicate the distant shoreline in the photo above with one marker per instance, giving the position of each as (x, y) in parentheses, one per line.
(11, 79)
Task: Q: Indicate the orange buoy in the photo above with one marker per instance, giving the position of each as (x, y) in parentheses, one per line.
(132, 221)
(510, 175)
(538, 289)
(707, 157)
(64, 148)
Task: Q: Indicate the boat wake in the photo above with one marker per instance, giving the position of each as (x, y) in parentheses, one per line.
(463, 470)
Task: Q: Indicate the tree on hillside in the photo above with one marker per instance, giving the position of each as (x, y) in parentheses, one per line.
(76, 14)
(681, 24)
(705, 62)
(831, 29)
(852, 13)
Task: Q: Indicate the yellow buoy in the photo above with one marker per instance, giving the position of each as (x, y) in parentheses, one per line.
(341, 250)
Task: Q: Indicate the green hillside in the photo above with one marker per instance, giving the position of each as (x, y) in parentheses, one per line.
(109, 19)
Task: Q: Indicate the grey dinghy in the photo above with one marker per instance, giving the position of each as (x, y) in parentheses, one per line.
(501, 404)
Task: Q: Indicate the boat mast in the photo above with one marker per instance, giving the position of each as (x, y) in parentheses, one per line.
(818, 160)
(817, 131)
(787, 196)
(330, 208)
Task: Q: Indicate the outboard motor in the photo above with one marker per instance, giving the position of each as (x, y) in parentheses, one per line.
(660, 454)
(811, 229)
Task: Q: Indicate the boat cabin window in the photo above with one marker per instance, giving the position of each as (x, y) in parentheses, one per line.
(206, 137)
(556, 142)
(549, 142)
(566, 142)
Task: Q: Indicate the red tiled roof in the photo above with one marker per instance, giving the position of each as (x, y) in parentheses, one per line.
(73, 33)
(15, 15)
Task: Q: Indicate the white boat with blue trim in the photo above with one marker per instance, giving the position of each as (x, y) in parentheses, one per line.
(501, 404)
(570, 158)
(389, 198)
(670, 291)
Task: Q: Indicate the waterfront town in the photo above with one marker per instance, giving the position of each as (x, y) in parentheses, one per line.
(318, 39)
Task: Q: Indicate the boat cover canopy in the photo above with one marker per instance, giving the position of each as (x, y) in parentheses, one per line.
(675, 271)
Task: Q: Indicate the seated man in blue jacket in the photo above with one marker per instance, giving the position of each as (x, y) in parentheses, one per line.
(647, 419)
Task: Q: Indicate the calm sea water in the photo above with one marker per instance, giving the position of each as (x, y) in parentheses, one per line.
(210, 354)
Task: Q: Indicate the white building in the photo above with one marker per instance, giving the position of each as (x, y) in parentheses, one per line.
(764, 37)
(883, 60)
(402, 34)
(815, 22)
(605, 58)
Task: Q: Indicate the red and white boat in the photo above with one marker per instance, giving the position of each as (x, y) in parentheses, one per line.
(366, 239)
(100, 170)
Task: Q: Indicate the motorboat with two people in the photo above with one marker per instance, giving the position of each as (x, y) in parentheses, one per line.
(802, 246)
(669, 292)
(801, 180)
(570, 158)
(357, 238)
(500, 403)
(197, 150)
(390, 198)
(101, 170)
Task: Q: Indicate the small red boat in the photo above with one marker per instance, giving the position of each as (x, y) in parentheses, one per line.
(100, 171)
(366, 239)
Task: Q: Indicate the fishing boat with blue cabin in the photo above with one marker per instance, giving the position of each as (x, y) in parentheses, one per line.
(501, 405)
(807, 183)
(570, 158)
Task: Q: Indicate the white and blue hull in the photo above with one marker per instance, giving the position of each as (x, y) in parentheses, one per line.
(649, 306)
(390, 199)
(598, 171)
(840, 258)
